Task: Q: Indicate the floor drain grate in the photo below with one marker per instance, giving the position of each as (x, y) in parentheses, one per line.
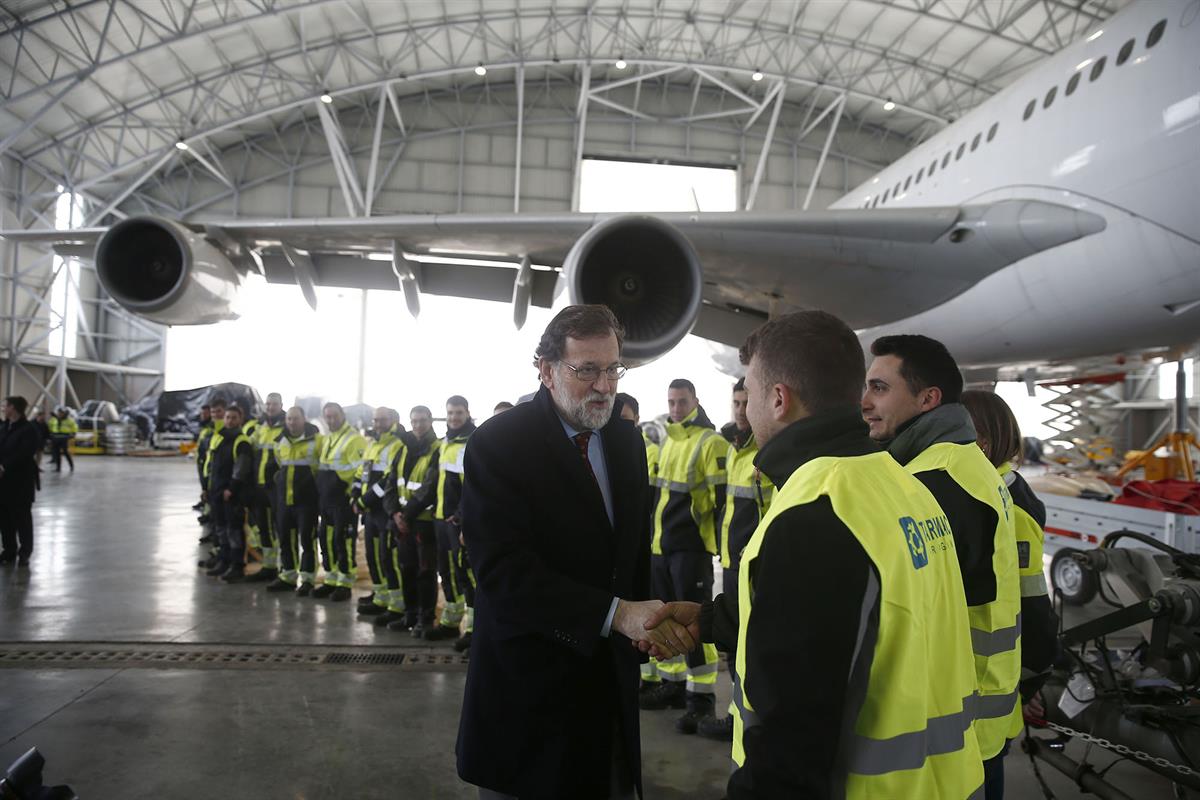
(99, 655)
(365, 658)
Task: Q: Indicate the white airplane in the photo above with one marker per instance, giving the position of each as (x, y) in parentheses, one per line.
(1058, 220)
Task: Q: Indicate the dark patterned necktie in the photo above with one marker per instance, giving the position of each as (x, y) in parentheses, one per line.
(581, 441)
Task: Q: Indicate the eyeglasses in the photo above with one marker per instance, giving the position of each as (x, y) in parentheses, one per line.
(592, 374)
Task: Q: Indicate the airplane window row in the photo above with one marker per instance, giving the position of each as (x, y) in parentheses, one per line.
(1156, 34)
(911, 180)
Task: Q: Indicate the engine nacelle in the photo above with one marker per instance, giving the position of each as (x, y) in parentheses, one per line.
(165, 272)
(647, 272)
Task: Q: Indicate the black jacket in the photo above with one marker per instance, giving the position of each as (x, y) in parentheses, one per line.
(232, 466)
(545, 691)
(19, 444)
(803, 605)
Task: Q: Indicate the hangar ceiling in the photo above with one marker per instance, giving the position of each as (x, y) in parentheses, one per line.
(115, 97)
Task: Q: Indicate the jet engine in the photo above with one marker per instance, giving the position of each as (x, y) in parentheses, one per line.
(647, 272)
(166, 272)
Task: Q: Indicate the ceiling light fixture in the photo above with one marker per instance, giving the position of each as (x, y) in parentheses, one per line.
(757, 76)
(326, 98)
(181, 145)
(1096, 35)
(621, 63)
(888, 105)
(480, 70)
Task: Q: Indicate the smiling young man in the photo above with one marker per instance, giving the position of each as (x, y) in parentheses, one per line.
(556, 518)
(911, 403)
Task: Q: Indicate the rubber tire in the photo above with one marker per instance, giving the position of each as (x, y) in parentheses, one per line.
(1078, 586)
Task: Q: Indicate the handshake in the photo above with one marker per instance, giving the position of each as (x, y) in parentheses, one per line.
(664, 630)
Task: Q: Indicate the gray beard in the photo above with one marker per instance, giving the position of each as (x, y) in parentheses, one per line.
(578, 414)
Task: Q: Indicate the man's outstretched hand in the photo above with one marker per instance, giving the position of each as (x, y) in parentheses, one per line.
(666, 638)
(679, 615)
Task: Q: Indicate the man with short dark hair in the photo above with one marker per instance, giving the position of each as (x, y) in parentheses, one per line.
(501, 407)
(297, 453)
(853, 674)
(560, 544)
(911, 403)
(747, 498)
(689, 503)
(230, 481)
(19, 443)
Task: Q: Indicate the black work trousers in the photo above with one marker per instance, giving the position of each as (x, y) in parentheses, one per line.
(229, 520)
(297, 539)
(683, 576)
(60, 447)
(339, 530)
(16, 527)
(377, 543)
(265, 519)
(418, 552)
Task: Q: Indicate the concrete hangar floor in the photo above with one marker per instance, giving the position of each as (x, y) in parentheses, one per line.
(138, 677)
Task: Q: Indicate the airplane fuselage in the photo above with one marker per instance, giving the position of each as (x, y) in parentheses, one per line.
(1104, 126)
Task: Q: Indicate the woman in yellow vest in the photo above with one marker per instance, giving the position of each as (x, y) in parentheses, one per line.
(1000, 439)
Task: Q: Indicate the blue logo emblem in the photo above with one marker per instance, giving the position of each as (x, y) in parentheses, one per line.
(916, 542)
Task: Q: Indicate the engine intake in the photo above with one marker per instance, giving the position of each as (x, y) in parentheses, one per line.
(647, 272)
(165, 272)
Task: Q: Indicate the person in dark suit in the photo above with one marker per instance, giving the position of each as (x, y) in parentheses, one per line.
(19, 444)
(556, 520)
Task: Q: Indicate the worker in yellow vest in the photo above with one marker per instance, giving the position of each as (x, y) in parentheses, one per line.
(338, 464)
(911, 403)
(689, 502)
(366, 495)
(416, 538)
(855, 562)
(297, 453)
(204, 445)
(999, 437)
(747, 498)
(62, 430)
(631, 410)
(442, 495)
(263, 509)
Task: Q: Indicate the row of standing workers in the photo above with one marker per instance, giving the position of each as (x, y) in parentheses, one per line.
(303, 494)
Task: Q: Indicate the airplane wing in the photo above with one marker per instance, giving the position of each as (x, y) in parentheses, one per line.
(718, 275)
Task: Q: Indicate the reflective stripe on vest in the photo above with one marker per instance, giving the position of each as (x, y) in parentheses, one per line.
(995, 626)
(913, 665)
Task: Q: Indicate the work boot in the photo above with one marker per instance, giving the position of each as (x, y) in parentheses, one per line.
(719, 729)
(668, 694)
(304, 589)
(199, 506)
(207, 563)
(204, 519)
(387, 618)
(371, 610)
(264, 575)
(401, 623)
(340, 594)
(367, 600)
(217, 569)
(463, 643)
(439, 632)
(322, 591)
(418, 630)
(280, 585)
(206, 538)
(234, 575)
(700, 707)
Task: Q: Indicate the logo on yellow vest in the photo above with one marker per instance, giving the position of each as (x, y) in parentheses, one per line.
(916, 542)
